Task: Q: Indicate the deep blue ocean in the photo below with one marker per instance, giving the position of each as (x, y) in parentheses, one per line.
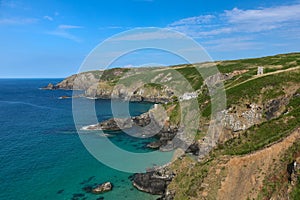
(41, 154)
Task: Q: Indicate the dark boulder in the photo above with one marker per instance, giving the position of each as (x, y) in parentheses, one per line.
(50, 86)
(152, 182)
(193, 149)
(273, 107)
(290, 170)
(155, 144)
(167, 196)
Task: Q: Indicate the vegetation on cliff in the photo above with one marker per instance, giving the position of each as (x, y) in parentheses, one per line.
(261, 117)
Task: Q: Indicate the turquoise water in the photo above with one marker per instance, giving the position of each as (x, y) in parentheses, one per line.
(41, 154)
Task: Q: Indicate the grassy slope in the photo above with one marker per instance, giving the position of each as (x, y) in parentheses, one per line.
(257, 137)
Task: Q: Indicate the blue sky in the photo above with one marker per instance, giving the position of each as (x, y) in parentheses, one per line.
(52, 38)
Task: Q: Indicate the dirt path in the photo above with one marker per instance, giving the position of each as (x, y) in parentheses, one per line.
(245, 174)
(263, 75)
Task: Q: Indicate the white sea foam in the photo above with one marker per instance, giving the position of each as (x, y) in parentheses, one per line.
(90, 127)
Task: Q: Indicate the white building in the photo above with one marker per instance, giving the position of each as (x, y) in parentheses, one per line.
(260, 70)
(188, 96)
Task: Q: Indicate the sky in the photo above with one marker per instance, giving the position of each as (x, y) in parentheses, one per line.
(40, 39)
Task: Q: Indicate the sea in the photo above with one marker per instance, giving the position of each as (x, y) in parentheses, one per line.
(42, 155)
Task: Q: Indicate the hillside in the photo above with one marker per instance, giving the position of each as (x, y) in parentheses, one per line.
(245, 156)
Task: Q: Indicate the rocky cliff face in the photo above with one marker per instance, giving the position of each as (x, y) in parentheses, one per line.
(275, 107)
(148, 124)
(241, 118)
(137, 93)
(121, 123)
(80, 81)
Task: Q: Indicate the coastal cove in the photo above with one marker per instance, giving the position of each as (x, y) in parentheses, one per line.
(42, 156)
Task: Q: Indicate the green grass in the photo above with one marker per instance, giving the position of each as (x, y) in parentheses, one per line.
(189, 182)
(252, 89)
(175, 115)
(252, 63)
(192, 75)
(295, 194)
(154, 86)
(238, 79)
(113, 74)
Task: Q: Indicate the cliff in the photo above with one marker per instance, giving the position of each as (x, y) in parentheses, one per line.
(258, 128)
(246, 157)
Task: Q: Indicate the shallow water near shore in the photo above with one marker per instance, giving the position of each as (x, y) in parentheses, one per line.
(42, 156)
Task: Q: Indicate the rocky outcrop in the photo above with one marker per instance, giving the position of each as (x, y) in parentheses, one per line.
(275, 107)
(166, 141)
(80, 81)
(100, 85)
(221, 77)
(121, 123)
(154, 182)
(145, 125)
(193, 149)
(168, 195)
(138, 92)
(50, 86)
(105, 187)
(238, 119)
(112, 124)
(155, 145)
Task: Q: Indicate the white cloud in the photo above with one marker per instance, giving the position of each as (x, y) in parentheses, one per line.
(63, 31)
(240, 21)
(64, 35)
(14, 4)
(153, 35)
(232, 44)
(63, 26)
(202, 19)
(263, 19)
(48, 18)
(8, 4)
(265, 15)
(114, 27)
(17, 21)
(216, 31)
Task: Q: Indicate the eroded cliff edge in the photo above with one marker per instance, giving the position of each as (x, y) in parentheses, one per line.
(261, 111)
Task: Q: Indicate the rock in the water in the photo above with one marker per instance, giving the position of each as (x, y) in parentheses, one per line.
(152, 182)
(105, 187)
(112, 124)
(50, 86)
(64, 97)
(155, 144)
